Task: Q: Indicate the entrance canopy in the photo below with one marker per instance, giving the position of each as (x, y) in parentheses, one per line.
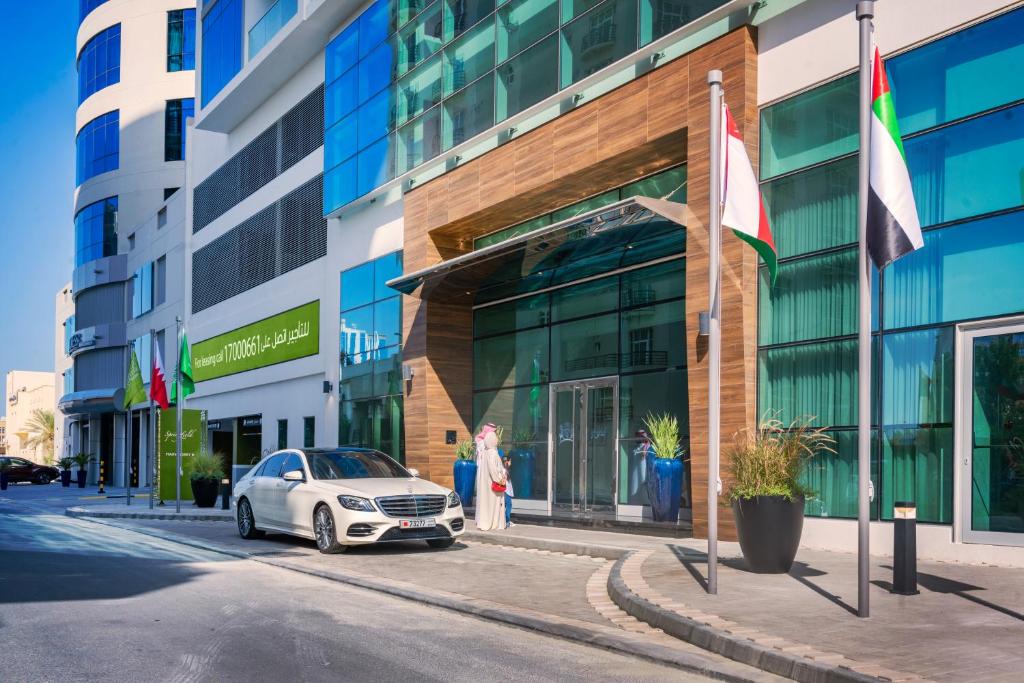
(629, 232)
(91, 402)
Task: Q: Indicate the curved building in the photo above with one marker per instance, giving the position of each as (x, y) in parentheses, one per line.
(136, 83)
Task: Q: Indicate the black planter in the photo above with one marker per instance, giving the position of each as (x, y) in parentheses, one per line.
(82, 474)
(769, 528)
(65, 478)
(3, 481)
(204, 492)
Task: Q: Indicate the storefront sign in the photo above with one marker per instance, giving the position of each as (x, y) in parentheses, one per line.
(255, 421)
(193, 436)
(283, 337)
(81, 340)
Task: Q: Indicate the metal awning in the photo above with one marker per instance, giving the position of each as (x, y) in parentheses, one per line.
(629, 232)
(92, 402)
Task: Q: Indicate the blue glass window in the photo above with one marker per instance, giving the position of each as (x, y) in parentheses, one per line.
(181, 40)
(342, 53)
(375, 25)
(371, 314)
(175, 130)
(222, 46)
(142, 290)
(96, 231)
(99, 62)
(87, 6)
(97, 147)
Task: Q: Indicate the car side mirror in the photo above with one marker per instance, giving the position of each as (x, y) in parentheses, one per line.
(294, 475)
(414, 472)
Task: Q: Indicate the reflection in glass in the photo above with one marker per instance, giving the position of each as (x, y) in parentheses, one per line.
(340, 141)
(376, 71)
(585, 348)
(341, 97)
(587, 298)
(419, 140)
(419, 91)
(521, 23)
(342, 53)
(650, 337)
(519, 314)
(511, 359)
(376, 165)
(357, 286)
(595, 40)
(523, 412)
(645, 286)
(375, 118)
(375, 24)
(420, 39)
(660, 17)
(340, 185)
(527, 79)
(640, 396)
(461, 14)
(469, 112)
(812, 379)
(469, 58)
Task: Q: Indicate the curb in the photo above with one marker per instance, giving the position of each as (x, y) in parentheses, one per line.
(723, 643)
(605, 552)
(180, 516)
(595, 635)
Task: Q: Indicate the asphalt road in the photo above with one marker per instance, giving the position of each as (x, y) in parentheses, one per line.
(82, 601)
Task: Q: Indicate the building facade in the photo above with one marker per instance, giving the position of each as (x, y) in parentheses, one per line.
(63, 367)
(136, 85)
(27, 393)
(408, 218)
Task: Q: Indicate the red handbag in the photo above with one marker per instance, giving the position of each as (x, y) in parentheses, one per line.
(497, 488)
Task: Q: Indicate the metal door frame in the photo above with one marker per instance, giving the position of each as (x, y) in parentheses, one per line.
(963, 428)
(579, 478)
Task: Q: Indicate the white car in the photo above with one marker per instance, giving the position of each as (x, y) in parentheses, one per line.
(341, 497)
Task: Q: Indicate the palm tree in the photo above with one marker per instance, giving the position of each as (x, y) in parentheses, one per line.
(40, 428)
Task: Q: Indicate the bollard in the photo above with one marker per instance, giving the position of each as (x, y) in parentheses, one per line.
(225, 494)
(102, 490)
(904, 566)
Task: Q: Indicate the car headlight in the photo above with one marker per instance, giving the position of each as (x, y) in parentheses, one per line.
(453, 500)
(356, 503)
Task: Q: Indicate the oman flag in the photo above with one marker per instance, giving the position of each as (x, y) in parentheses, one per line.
(893, 227)
(743, 207)
(158, 381)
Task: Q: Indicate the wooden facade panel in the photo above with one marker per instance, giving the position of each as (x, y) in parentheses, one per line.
(496, 171)
(463, 191)
(574, 134)
(667, 108)
(535, 159)
(622, 119)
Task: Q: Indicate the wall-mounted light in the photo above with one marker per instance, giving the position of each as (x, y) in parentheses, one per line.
(407, 372)
(577, 97)
(328, 387)
(703, 323)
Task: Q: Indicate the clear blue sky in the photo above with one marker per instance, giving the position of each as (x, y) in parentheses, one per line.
(37, 176)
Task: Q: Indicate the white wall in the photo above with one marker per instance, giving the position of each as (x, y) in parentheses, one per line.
(64, 307)
(27, 392)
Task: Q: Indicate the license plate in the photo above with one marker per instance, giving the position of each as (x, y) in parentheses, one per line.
(416, 523)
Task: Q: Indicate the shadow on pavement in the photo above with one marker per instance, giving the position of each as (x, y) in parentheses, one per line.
(940, 584)
(411, 547)
(687, 558)
(801, 571)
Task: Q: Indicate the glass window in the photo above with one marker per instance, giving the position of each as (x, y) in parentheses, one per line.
(282, 434)
(602, 36)
(69, 331)
(968, 169)
(142, 290)
(670, 184)
(160, 281)
(660, 17)
(308, 429)
(939, 82)
(521, 313)
(419, 91)
(511, 359)
(588, 298)
(340, 142)
(816, 126)
(181, 40)
(966, 271)
(521, 23)
(418, 141)
(420, 39)
(644, 286)
(469, 112)
(527, 79)
(461, 14)
(87, 6)
(357, 286)
(99, 62)
(176, 116)
(340, 185)
(405, 10)
(917, 465)
(142, 348)
(273, 466)
(291, 463)
(342, 53)
(342, 464)
(917, 378)
(373, 423)
(469, 58)
(818, 380)
(523, 408)
(386, 268)
(341, 97)
(96, 231)
(222, 46)
(376, 165)
(832, 477)
(585, 348)
(513, 231)
(586, 205)
(375, 24)
(650, 337)
(270, 23)
(374, 118)
(97, 147)
(376, 71)
(812, 298)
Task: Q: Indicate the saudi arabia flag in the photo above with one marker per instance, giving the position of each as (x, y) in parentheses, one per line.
(893, 226)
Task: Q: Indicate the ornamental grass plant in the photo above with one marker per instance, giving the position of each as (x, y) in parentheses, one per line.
(465, 450)
(770, 460)
(663, 431)
(207, 465)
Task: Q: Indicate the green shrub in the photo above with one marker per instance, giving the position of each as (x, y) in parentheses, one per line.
(663, 431)
(66, 462)
(770, 460)
(82, 459)
(207, 465)
(465, 450)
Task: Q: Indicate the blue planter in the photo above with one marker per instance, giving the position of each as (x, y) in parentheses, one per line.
(522, 472)
(65, 478)
(465, 480)
(666, 487)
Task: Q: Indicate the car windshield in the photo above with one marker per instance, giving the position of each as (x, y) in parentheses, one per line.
(354, 465)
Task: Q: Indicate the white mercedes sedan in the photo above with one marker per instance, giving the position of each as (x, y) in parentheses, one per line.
(341, 497)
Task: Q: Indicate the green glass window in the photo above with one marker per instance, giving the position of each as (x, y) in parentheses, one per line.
(459, 15)
(941, 81)
(650, 337)
(374, 423)
(511, 359)
(590, 204)
(527, 79)
(419, 141)
(814, 209)
(968, 169)
(308, 431)
(585, 348)
(420, 38)
(282, 434)
(917, 465)
(522, 23)
(469, 112)
(419, 91)
(601, 36)
(917, 377)
(513, 315)
(469, 58)
(513, 231)
(404, 10)
(573, 8)
(818, 380)
(644, 286)
(832, 478)
(670, 184)
(967, 271)
(658, 18)
(588, 298)
(816, 126)
(812, 298)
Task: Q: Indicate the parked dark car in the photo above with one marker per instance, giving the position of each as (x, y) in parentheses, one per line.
(24, 470)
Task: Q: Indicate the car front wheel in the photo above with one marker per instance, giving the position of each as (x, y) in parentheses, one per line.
(247, 522)
(42, 479)
(440, 543)
(325, 531)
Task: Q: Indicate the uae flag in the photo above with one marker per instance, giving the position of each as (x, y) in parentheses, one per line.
(158, 381)
(893, 228)
(743, 207)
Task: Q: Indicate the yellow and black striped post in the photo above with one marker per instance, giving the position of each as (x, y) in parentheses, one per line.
(102, 490)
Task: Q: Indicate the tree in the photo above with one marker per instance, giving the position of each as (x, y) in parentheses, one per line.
(41, 431)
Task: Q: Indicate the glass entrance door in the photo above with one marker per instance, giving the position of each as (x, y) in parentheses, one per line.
(992, 435)
(584, 419)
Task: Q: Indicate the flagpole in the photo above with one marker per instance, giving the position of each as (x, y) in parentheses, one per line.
(865, 13)
(127, 426)
(715, 326)
(152, 421)
(178, 407)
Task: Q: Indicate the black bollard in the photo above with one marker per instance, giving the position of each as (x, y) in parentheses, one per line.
(904, 566)
(225, 494)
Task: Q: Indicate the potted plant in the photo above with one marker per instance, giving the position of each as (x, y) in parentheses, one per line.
(766, 492)
(207, 471)
(65, 464)
(465, 470)
(665, 480)
(82, 459)
(5, 465)
(522, 457)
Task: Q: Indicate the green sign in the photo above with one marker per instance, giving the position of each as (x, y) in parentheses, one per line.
(283, 337)
(193, 436)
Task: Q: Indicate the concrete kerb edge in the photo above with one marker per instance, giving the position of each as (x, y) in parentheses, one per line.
(627, 644)
(115, 514)
(555, 546)
(723, 643)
